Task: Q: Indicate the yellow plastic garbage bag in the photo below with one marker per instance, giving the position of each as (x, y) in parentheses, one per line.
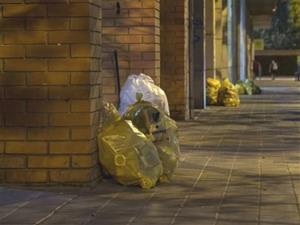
(159, 128)
(126, 153)
(228, 95)
(251, 88)
(213, 86)
(240, 87)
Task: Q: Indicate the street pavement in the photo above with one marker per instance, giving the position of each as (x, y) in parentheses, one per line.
(239, 166)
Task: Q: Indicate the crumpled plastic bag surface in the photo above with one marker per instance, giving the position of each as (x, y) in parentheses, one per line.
(145, 85)
(228, 94)
(213, 86)
(251, 88)
(126, 153)
(159, 128)
(240, 87)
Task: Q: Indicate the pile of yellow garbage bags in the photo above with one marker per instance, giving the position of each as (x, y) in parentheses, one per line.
(222, 93)
(161, 130)
(228, 95)
(213, 87)
(240, 87)
(247, 87)
(141, 147)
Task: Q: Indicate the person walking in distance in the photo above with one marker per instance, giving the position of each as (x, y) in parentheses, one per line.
(273, 69)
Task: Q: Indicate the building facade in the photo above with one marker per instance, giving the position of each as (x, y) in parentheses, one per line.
(57, 67)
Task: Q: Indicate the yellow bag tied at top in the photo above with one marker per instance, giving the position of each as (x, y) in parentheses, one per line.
(159, 128)
(228, 94)
(213, 86)
(126, 153)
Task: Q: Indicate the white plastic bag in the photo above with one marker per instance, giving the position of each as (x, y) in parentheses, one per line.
(145, 85)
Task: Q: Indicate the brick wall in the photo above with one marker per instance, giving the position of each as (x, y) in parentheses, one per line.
(222, 69)
(49, 90)
(132, 28)
(174, 54)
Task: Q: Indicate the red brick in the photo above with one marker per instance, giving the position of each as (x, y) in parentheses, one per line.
(67, 93)
(7, 133)
(143, 13)
(48, 106)
(130, 4)
(26, 119)
(47, 24)
(129, 39)
(25, 65)
(128, 22)
(26, 92)
(12, 79)
(8, 24)
(47, 51)
(80, 24)
(80, 78)
(115, 30)
(11, 1)
(12, 106)
(74, 147)
(143, 47)
(111, 89)
(48, 162)
(25, 37)
(71, 176)
(69, 37)
(95, 91)
(24, 10)
(49, 78)
(111, 13)
(84, 161)
(26, 176)
(95, 78)
(95, 25)
(143, 64)
(1, 147)
(26, 147)
(81, 50)
(81, 106)
(12, 52)
(48, 133)
(149, 21)
(150, 39)
(142, 30)
(11, 162)
(70, 119)
(1, 93)
(69, 65)
(85, 133)
(152, 4)
(73, 9)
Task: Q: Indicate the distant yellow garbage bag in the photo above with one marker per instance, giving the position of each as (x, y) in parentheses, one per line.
(126, 153)
(159, 128)
(213, 86)
(240, 87)
(228, 94)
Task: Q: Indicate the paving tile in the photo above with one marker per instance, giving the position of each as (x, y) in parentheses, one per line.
(240, 166)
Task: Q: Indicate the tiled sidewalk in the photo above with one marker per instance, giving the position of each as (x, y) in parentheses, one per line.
(240, 166)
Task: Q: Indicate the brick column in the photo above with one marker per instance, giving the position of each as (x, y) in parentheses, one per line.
(210, 37)
(221, 41)
(174, 54)
(49, 90)
(132, 28)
